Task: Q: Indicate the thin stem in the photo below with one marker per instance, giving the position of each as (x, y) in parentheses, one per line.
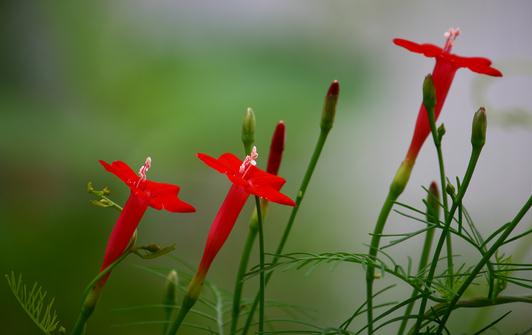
(373, 250)
(450, 266)
(437, 142)
(475, 154)
(440, 309)
(423, 261)
(186, 306)
(299, 198)
(483, 261)
(244, 260)
(261, 262)
(91, 296)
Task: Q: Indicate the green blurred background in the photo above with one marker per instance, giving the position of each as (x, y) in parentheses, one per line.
(82, 81)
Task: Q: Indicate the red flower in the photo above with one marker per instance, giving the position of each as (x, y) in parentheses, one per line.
(247, 179)
(144, 194)
(446, 66)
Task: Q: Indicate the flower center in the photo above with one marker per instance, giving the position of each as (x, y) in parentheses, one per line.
(451, 36)
(249, 161)
(143, 171)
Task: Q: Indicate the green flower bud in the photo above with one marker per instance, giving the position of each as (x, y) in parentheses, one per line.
(429, 93)
(171, 288)
(441, 131)
(248, 130)
(329, 107)
(170, 293)
(433, 203)
(478, 132)
(450, 189)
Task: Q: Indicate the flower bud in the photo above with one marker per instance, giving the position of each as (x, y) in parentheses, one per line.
(169, 299)
(329, 107)
(248, 130)
(276, 148)
(433, 203)
(429, 93)
(441, 131)
(478, 132)
(450, 189)
(171, 288)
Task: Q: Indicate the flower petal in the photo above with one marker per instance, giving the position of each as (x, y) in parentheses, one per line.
(477, 64)
(164, 196)
(272, 195)
(226, 163)
(429, 50)
(258, 177)
(122, 171)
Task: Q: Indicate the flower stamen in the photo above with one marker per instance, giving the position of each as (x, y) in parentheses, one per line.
(144, 170)
(249, 161)
(451, 36)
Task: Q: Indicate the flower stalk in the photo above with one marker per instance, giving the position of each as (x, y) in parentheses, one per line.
(443, 74)
(475, 155)
(274, 162)
(327, 119)
(246, 179)
(432, 216)
(144, 193)
(485, 258)
(261, 265)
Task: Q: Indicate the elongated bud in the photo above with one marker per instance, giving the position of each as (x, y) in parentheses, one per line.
(276, 148)
(478, 132)
(401, 178)
(248, 130)
(171, 288)
(170, 293)
(429, 93)
(433, 203)
(329, 107)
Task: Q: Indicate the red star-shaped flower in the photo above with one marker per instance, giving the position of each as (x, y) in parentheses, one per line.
(246, 179)
(446, 66)
(144, 194)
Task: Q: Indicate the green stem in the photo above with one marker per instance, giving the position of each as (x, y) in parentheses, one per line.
(92, 295)
(437, 142)
(475, 154)
(422, 264)
(261, 262)
(483, 261)
(373, 250)
(437, 310)
(186, 306)
(299, 198)
(450, 266)
(519, 253)
(244, 260)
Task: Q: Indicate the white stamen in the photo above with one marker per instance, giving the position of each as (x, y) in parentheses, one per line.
(249, 161)
(451, 36)
(144, 170)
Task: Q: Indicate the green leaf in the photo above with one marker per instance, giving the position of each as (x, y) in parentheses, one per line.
(34, 304)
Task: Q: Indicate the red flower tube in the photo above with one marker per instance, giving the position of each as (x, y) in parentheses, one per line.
(446, 66)
(144, 194)
(247, 179)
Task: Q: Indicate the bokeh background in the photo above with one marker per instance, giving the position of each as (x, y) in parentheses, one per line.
(82, 81)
